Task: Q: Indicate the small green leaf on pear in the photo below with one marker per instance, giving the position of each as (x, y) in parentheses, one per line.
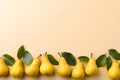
(52, 59)
(108, 62)
(20, 52)
(83, 58)
(27, 58)
(115, 54)
(9, 60)
(69, 58)
(101, 60)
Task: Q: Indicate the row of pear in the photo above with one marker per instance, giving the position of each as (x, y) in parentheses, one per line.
(44, 67)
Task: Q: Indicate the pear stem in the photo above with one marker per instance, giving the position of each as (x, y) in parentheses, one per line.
(91, 55)
(39, 55)
(45, 53)
(59, 54)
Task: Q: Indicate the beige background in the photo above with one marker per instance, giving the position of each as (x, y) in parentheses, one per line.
(76, 26)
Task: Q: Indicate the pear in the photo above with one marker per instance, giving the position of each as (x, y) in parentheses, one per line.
(46, 68)
(63, 67)
(33, 69)
(91, 67)
(3, 68)
(17, 70)
(114, 71)
(78, 71)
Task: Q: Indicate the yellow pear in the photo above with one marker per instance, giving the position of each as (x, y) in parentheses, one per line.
(46, 68)
(63, 68)
(17, 70)
(3, 68)
(91, 67)
(78, 71)
(33, 68)
(114, 71)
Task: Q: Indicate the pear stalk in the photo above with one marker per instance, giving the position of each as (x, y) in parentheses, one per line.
(91, 55)
(59, 54)
(39, 55)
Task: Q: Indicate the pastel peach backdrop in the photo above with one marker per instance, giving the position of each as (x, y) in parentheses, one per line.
(76, 26)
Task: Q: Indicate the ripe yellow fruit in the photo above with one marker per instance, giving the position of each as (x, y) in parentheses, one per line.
(3, 68)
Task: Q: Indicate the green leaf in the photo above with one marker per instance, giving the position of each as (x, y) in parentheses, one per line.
(83, 58)
(101, 60)
(115, 54)
(52, 59)
(20, 52)
(9, 60)
(108, 62)
(27, 58)
(69, 58)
